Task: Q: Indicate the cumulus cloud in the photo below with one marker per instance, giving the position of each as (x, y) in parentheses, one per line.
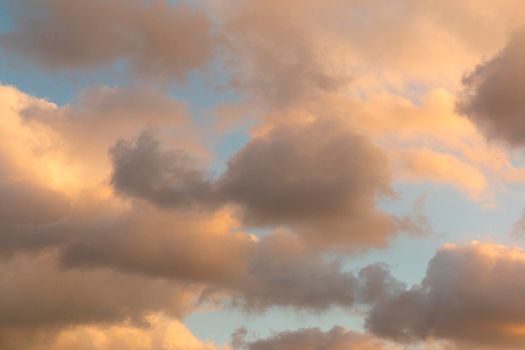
(79, 134)
(98, 237)
(316, 176)
(167, 178)
(157, 39)
(279, 63)
(308, 48)
(37, 293)
(319, 178)
(162, 333)
(94, 230)
(104, 224)
(201, 251)
(101, 115)
(232, 267)
(285, 272)
(337, 338)
(471, 294)
(121, 109)
(471, 297)
(288, 52)
(180, 246)
(67, 147)
(494, 94)
(98, 266)
(425, 141)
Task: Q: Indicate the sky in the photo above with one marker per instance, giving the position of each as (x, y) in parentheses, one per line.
(262, 175)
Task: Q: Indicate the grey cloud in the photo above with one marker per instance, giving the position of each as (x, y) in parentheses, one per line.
(156, 38)
(278, 63)
(22, 203)
(167, 178)
(319, 178)
(337, 338)
(277, 269)
(471, 295)
(189, 247)
(494, 98)
(85, 129)
(99, 116)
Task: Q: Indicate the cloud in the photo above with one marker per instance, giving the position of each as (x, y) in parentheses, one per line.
(161, 333)
(101, 115)
(289, 52)
(233, 267)
(167, 178)
(202, 248)
(493, 94)
(425, 140)
(284, 272)
(155, 38)
(37, 293)
(110, 217)
(81, 258)
(67, 147)
(337, 338)
(23, 208)
(104, 265)
(278, 63)
(92, 229)
(317, 177)
(471, 294)
(440, 167)
(146, 245)
(471, 297)
(80, 133)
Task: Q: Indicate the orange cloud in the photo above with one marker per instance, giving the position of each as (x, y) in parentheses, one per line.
(156, 39)
(162, 333)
